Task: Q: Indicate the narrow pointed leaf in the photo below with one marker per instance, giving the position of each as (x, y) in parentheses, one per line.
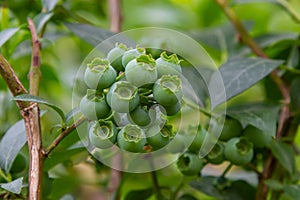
(11, 143)
(7, 34)
(14, 186)
(31, 98)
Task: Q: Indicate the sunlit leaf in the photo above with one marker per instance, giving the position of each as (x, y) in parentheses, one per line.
(41, 19)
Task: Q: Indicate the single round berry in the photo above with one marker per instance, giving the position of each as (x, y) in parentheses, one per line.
(157, 138)
(123, 97)
(93, 106)
(131, 138)
(200, 134)
(103, 134)
(190, 164)
(259, 138)
(141, 71)
(232, 128)
(115, 56)
(132, 54)
(216, 155)
(140, 116)
(167, 90)
(172, 109)
(168, 65)
(239, 151)
(99, 74)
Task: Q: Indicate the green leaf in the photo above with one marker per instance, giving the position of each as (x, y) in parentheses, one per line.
(63, 186)
(49, 5)
(236, 191)
(295, 95)
(139, 194)
(274, 184)
(187, 197)
(36, 99)
(261, 115)
(41, 19)
(11, 143)
(14, 186)
(88, 33)
(7, 34)
(293, 191)
(284, 154)
(253, 1)
(241, 73)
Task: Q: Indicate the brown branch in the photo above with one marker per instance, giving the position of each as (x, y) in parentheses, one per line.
(12, 81)
(115, 15)
(285, 111)
(35, 73)
(62, 135)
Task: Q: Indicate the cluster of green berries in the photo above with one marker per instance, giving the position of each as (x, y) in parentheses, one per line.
(236, 145)
(131, 82)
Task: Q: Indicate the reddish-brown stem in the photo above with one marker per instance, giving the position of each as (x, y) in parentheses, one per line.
(115, 15)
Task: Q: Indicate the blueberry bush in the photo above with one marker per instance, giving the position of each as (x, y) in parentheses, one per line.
(97, 105)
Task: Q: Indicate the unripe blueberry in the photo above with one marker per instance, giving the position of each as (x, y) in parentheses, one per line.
(167, 90)
(232, 128)
(115, 56)
(157, 138)
(131, 138)
(103, 134)
(140, 116)
(216, 155)
(141, 71)
(99, 74)
(239, 151)
(190, 164)
(93, 105)
(200, 134)
(258, 137)
(123, 97)
(168, 65)
(172, 109)
(132, 54)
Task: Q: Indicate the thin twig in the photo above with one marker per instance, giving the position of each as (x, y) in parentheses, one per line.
(290, 10)
(115, 15)
(62, 135)
(35, 73)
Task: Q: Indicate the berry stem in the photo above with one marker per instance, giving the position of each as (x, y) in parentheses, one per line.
(226, 170)
(195, 106)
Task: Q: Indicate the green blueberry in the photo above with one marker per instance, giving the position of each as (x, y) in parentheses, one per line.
(168, 65)
(157, 138)
(131, 138)
(115, 56)
(99, 74)
(177, 144)
(154, 52)
(123, 97)
(190, 164)
(132, 54)
(167, 90)
(259, 138)
(216, 155)
(199, 136)
(232, 128)
(103, 134)
(172, 110)
(141, 71)
(239, 151)
(93, 106)
(140, 116)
